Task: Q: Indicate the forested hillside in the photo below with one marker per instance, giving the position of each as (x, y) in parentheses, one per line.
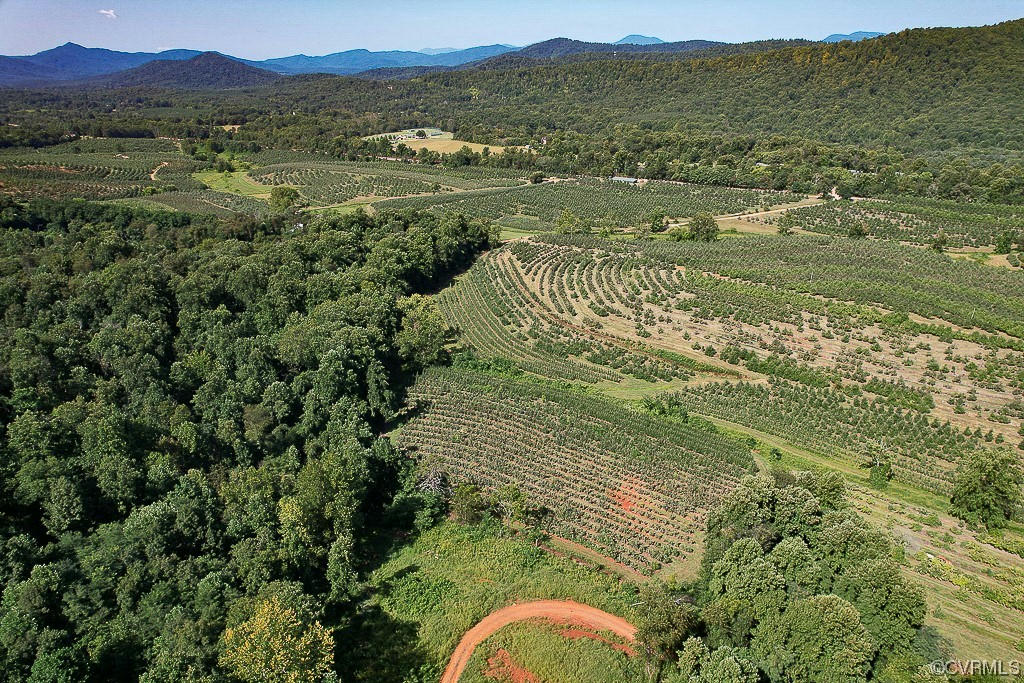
(927, 111)
(922, 89)
(188, 412)
(204, 71)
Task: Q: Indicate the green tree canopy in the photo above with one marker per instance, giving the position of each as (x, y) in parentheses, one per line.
(987, 488)
(704, 227)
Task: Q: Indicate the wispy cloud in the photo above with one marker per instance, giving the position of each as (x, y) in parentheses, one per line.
(109, 13)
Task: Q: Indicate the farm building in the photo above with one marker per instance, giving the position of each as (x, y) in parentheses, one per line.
(623, 179)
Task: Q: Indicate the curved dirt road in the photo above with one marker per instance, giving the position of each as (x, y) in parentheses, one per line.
(555, 610)
(152, 176)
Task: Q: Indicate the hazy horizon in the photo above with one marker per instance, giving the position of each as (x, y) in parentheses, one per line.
(261, 29)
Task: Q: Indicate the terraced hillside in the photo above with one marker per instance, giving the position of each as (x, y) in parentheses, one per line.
(859, 349)
(633, 486)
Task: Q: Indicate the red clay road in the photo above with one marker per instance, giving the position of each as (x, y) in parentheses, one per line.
(555, 610)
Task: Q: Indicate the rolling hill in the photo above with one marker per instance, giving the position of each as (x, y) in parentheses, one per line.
(959, 87)
(15, 71)
(208, 70)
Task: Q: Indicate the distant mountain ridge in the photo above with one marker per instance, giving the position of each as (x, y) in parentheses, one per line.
(560, 47)
(354, 61)
(637, 39)
(73, 62)
(855, 36)
(205, 71)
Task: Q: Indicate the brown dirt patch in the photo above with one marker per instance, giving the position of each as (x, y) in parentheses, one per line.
(560, 611)
(503, 668)
(623, 498)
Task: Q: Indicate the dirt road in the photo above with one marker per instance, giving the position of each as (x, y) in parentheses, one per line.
(554, 610)
(152, 176)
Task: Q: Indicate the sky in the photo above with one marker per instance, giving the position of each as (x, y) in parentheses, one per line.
(259, 29)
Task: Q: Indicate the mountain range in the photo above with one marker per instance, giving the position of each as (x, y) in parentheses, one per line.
(72, 63)
(855, 36)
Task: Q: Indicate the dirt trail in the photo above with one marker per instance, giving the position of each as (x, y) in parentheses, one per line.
(152, 176)
(810, 201)
(555, 610)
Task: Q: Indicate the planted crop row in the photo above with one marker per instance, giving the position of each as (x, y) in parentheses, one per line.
(463, 178)
(601, 201)
(501, 317)
(203, 201)
(899, 278)
(915, 220)
(855, 348)
(627, 484)
(924, 451)
(91, 169)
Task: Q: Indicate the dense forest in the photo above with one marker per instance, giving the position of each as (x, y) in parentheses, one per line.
(927, 111)
(190, 413)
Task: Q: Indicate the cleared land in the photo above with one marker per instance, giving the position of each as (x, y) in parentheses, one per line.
(435, 589)
(557, 611)
(436, 140)
(235, 182)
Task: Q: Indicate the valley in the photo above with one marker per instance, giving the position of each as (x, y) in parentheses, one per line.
(648, 361)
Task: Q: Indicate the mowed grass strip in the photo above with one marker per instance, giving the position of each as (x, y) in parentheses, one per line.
(235, 182)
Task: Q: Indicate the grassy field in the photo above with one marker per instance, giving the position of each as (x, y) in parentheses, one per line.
(552, 653)
(436, 140)
(236, 182)
(450, 146)
(435, 588)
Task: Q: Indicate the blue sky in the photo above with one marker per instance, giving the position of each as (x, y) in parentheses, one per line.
(259, 29)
